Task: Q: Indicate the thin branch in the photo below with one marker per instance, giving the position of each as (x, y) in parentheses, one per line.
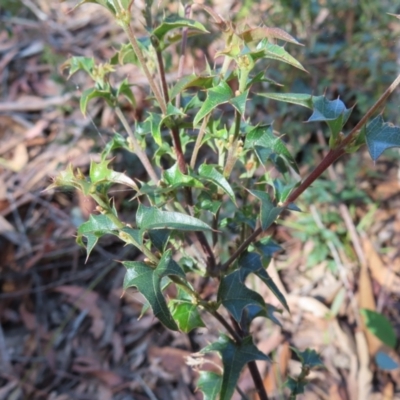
(188, 12)
(199, 139)
(138, 150)
(142, 62)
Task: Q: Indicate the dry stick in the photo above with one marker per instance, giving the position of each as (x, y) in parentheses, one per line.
(138, 150)
(328, 160)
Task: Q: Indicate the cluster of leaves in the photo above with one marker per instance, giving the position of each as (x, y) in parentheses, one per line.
(213, 204)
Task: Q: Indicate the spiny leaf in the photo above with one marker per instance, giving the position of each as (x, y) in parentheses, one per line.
(268, 213)
(209, 173)
(100, 173)
(92, 93)
(309, 358)
(300, 99)
(235, 296)
(262, 136)
(147, 279)
(175, 179)
(380, 136)
(209, 384)
(216, 96)
(192, 80)
(260, 33)
(251, 262)
(234, 357)
(153, 218)
(175, 22)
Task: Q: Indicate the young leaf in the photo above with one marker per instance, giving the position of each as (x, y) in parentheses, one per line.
(92, 93)
(273, 51)
(147, 279)
(175, 179)
(152, 218)
(209, 384)
(175, 22)
(192, 80)
(209, 173)
(380, 326)
(251, 263)
(234, 357)
(380, 136)
(186, 314)
(100, 173)
(262, 32)
(239, 102)
(216, 96)
(235, 296)
(117, 142)
(95, 228)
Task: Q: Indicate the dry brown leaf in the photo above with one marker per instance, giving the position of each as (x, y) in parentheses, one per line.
(364, 378)
(388, 391)
(381, 273)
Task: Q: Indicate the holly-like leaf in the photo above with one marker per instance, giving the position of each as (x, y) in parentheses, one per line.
(175, 179)
(262, 32)
(235, 296)
(265, 143)
(267, 246)
(93, 230)
(209, 173)
(380, 135)
(148, 218)
(380, 326)
(234, 357)
(192, 80)
(301, 99)
(333, 112)
(186, 314)
(272, 51)
(216, 96)
(239, 102)
(100, 173)
(147, 280)
(268, 212)
(251, 263)
(92, 93)
(117, 142)
(108, 4)
(209, 384)
(175, 22)
(159, 238)
(125, 90)
(309, 358)
(75, 64)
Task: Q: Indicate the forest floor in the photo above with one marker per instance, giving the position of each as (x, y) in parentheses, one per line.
(67, 330)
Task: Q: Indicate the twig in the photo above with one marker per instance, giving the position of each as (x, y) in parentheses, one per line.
(199, 139)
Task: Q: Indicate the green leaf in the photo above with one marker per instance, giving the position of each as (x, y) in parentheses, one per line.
(262, 138)
(267, 247)
(309, 358)
(334, 113)
(93, 229)
(175, 179)
(100, 173)
(273, 51)
(216, 96)
(268, 213)
(125, 90)
(159, 238)
(380, 136)
(234, 357)
(239, 102)
(209, 384)
(300, 99)
(186, 314)
(209, 173)
(152, 218)
(117, 142)
(105, 3)
(92, 93)
(379, 326)
(175, 22)
(147, 280)
(192, 80)
(235, 296)
(296, 387)
(251, 263)
(76, 64)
